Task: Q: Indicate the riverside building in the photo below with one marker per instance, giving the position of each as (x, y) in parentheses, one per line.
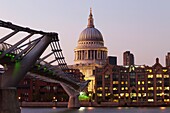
(133, 84)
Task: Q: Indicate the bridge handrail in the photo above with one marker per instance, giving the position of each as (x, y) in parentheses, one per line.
(25, 29)
(4, 46)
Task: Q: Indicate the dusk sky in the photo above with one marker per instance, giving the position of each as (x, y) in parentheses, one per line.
(139, 26)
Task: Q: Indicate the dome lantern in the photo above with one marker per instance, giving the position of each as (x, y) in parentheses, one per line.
(90, 20)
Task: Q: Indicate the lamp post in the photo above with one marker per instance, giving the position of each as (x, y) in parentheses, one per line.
(55, 101)
(20, 101)
(162, 96)
(119, 100)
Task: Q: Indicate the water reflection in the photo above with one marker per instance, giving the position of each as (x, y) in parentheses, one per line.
(90, 108)
(65, 110)
(98, 110)
(162, 108)
(119, 108)
(53, 107)
(81, 108)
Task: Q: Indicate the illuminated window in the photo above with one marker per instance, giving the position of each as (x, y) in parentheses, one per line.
(115, 82)
(99, 95)
(139, 88)
(150, 76)
(122, 88)
(158, 88)
(164, 70)
(99, 88)
(149, 70)
(167, 94)
(166, 100)
(159, 81)
(142, 66)
(150, 88)
(127, 95)
(158, 76)
(143, 82)
(106, 76)
(143, 88)
(116, 95)
(166, 88)
(159, 94)
(139, 94)
(166, 76)
(126, 88)
(115, 88)
(144, 94)
(107, 94)
(126, 82)
(150, 100)
(106, 88)
(121, 94)
(122, 82)
(134, 94)
(149, 82)
(138, 82)
(115, 100)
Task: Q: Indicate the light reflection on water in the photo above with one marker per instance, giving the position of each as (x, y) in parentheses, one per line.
(162, 108)
(99, 110)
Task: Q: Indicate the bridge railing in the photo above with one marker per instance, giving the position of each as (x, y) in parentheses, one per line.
(6, 46)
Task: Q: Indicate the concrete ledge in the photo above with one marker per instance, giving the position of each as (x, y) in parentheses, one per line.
(43, 104)
(89, 104)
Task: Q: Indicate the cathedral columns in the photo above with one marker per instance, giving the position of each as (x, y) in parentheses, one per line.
(91, 54)
(81, 55)
(101, 54)
(94, 55)
(75, 55)
(78, 55)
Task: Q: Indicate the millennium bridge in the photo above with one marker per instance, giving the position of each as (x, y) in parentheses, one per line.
(25, 56)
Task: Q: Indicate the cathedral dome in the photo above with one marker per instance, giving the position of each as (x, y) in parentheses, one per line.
(90, 48)
(90, 33)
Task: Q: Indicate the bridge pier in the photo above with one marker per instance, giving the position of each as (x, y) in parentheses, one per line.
(9, 101)
(73, 102)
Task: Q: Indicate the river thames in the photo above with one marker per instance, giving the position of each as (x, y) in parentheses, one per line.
(99, 110)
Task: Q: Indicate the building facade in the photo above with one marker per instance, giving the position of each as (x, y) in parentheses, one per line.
(128, 58)
(90, 52)
(31, 89)
(133, 85)
(167, 59)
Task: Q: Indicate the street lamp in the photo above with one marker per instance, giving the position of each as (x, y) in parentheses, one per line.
(20, 101)
(119, 99)
(55, 101)
(162, 96)
(54, 98)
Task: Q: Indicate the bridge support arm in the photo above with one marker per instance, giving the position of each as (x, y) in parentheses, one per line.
(8, 101)
(15, 73)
